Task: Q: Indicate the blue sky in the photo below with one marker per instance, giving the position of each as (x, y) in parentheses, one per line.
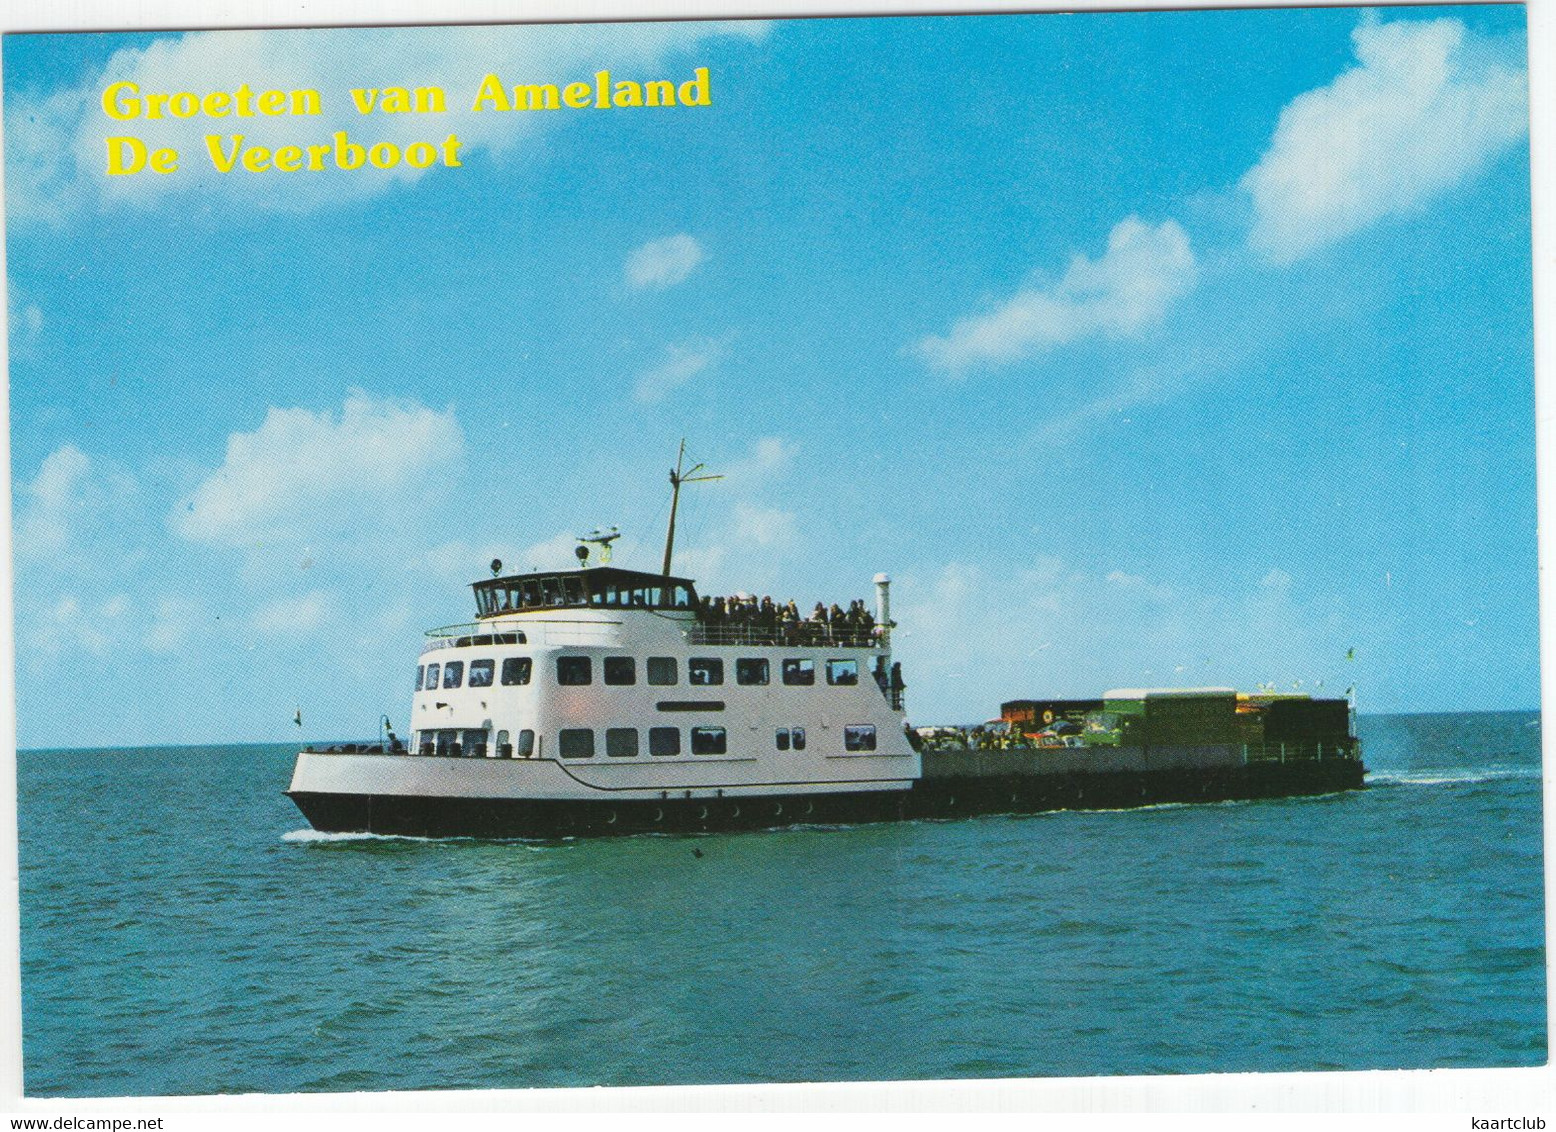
(1140, 348)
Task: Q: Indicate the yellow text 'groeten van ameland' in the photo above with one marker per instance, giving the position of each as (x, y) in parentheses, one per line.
(230, 153)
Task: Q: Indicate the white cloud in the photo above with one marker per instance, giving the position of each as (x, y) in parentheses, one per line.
(769, 457)
(1142, 272)
(1427, 108)
(62, 508)
(764, 526)
(664, 263)
(682, 362)
(69, 625)
(56, 150)
(175, 619)
(294, 616)
(971, 636)
(49, 503)
(302, 474)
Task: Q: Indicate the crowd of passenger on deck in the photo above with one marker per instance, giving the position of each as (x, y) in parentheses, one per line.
(766, 621)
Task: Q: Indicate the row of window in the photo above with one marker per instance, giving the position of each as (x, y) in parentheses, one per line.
(515, 670)
(511, 595)
(620, 742)
(578, 671)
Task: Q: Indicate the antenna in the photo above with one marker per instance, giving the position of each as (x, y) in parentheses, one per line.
(602, 539)
(677, 478)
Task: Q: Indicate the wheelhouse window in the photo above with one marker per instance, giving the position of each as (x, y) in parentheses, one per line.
(708, 741)
(576, 743)
(453, 673)
(526, 747)
(621, 742)
(751, 670)
(513, 595)
(799, 671)
(705, 670)
(859, 737)
(621, 670)
(516, 670)
(432, 677)
(420, 675)
(475, 744)
(664, 741)
(843, 672)
(481, 673)
(574, 671)
(504, 746)
(662, 670)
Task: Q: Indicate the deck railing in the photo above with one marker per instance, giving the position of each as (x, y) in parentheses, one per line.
(1251, 752)
(538, 630)
(806, 634)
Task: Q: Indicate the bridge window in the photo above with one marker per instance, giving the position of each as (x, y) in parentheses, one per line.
(621, 742)
(420, 673)
(704, 670)
(481, 673)
(446, 744)
(526, 748)
(475, 744)
(516, 670)
(574, 671)
(432, 677)
(662, 670)
(708, 741)
(577, 743)
(453, 673)
(859, 737)
(504, 746)
(664, 740)
(751, 670)
(844, 672)
(621, 670)
(802, 672)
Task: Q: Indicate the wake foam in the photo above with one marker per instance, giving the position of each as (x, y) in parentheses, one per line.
(1447, 777)
(319, 835)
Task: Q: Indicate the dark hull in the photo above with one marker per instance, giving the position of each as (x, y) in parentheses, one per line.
(940, 797)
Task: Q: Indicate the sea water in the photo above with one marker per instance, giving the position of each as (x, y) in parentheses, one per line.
(184, 932)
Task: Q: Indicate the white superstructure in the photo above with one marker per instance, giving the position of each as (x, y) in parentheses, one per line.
(608, 683)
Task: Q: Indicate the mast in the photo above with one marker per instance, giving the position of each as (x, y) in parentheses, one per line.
(677, 478)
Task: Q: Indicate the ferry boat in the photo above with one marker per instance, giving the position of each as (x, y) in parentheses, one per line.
(602, 700)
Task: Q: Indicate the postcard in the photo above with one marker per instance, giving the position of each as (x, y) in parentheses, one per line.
(774, 550)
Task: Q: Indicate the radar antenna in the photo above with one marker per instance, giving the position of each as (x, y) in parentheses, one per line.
(601, 539)
(677, 478)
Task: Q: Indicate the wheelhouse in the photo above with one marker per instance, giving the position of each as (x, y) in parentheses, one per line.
(600, 587)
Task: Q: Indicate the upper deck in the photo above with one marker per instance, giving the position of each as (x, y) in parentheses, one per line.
(740, 620)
